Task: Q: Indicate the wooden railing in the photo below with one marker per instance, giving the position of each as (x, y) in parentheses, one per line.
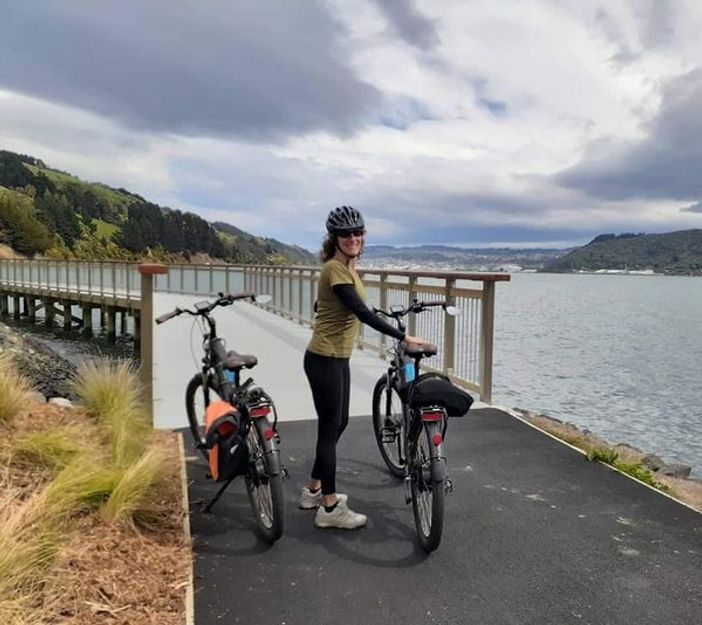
(465, 342)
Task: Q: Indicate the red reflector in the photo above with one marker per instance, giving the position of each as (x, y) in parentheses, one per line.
(432, 416)
(259, 412)
(268, 434)
(437, 439)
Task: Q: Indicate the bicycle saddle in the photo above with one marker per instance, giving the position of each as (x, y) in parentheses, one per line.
(235, 361)
(425, 349)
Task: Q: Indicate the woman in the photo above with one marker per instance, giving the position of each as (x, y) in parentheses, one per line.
(340, 307)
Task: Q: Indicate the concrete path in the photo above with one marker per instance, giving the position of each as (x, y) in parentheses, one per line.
(534, 534)
(279, 344)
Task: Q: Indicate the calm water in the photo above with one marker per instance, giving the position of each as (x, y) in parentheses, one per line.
(619, 355)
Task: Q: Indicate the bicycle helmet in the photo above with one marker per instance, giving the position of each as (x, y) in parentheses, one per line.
(345, 219)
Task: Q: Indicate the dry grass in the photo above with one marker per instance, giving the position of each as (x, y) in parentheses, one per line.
(14, 389)
(77, 487)
(129, 500)
(52, 450)
(110, 391)
(28, 546)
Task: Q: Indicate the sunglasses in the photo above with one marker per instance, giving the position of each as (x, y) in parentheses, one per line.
(356, 233)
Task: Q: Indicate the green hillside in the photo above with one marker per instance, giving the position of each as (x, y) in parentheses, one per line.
(672, 253)
(53, 213)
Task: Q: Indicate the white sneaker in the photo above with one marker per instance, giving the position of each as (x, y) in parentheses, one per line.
(341, 516)
(312, 501)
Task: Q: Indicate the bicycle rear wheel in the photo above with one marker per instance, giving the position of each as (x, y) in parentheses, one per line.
(427, 475)
(197, 398)
(388, 426)
(264, 482)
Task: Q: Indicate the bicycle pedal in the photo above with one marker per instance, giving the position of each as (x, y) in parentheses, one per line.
(408, 489)
(388, 435)
(448, 486)
(285, 473)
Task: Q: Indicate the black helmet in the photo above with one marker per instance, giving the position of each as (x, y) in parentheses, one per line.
(345, 219)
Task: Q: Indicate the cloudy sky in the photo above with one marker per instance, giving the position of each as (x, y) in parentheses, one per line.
(516, 122)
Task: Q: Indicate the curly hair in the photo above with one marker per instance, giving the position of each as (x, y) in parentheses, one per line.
(329, 247)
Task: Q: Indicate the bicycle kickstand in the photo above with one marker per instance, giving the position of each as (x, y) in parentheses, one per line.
(214, 499)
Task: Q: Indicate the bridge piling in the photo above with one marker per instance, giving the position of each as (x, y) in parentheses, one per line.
(86, 328)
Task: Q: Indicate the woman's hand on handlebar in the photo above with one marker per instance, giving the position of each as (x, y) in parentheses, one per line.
(413, 340)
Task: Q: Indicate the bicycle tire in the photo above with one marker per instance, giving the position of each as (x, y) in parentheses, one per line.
(264, 483)
(196, 421)
(388, 422)
(427, 477)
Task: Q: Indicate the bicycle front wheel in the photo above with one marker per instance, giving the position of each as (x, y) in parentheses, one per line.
(197, 398)
(427, 475)
(388, 426)
(264, 482)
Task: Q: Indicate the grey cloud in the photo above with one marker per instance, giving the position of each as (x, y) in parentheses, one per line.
(411, 25)
(656, 20)
(222, 68)
(664, 165)
(693, 208)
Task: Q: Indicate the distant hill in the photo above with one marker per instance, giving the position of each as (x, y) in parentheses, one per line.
(673, 253)
(53, 213)
(449, 257)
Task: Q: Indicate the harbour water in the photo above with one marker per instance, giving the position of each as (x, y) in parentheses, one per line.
(620, 355)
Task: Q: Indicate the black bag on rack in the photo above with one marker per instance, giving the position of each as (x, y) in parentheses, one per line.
(434, 389)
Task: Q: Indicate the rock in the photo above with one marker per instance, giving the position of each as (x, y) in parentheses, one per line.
(61, 401)
(680, 471)
(653, 462)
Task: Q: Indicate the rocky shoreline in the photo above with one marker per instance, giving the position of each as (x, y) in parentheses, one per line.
(49, 373)
(676, 477)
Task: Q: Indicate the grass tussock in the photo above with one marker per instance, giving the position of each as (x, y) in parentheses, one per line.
(86, 483)
(54, 449)
(28, 546)
(634, 469)
(130, 500)
(108, 388)
(14, 389)
(110, 391)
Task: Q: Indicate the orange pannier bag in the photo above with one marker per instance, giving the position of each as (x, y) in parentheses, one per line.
(228, 454)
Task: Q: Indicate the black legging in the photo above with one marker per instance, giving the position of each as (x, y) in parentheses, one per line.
(330, 382)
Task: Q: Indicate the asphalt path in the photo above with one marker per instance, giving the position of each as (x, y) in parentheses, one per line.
(534, 534)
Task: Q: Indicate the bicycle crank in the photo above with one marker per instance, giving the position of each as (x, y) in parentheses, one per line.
(408, 489)
(448, 486)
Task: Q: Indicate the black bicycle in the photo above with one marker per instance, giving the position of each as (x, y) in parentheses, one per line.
(246, 417)
(410, 417)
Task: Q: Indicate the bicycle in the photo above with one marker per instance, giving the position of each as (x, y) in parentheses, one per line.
(244, 417)
(410, 426)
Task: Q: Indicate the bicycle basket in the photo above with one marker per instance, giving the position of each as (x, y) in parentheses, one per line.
(228, 451)
(434, 389)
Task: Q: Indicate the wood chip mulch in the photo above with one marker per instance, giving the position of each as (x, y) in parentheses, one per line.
(110, 573)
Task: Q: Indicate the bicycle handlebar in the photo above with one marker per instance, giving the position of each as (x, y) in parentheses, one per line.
(415, 307)
(222, 300)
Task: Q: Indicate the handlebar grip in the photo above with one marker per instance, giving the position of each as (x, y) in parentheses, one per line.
(167, 316)
(235, 296)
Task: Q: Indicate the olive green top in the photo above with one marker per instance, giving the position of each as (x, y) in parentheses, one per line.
(335, 326)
